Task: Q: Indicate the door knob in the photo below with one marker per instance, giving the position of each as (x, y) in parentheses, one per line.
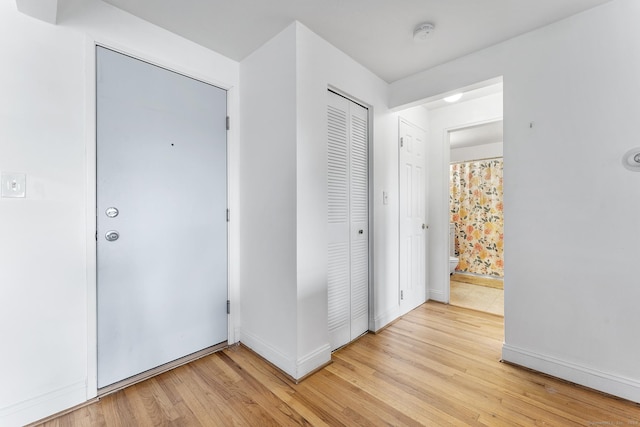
(112, 235)
(112, 212)
(424, 227)
(360, 231)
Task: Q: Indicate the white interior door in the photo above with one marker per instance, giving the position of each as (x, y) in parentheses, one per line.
(348, 220)
(161, 216)
(413, 227)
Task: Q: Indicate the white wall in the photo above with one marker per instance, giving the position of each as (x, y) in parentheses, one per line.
(321, 65)
(476, 152)
(284, 196)
(570, 108)
(47, 249)
(43, 308)
(268, 201)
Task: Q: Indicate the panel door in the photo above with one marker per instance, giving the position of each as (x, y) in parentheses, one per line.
(348, 225)
(161, 216)
(412, 201)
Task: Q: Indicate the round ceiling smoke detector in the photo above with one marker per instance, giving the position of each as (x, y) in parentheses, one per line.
(422, 32)
(631, 159)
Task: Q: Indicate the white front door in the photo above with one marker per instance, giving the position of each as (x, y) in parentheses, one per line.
(161, 216)
(413, 226)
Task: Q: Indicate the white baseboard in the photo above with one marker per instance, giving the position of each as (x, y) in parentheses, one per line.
(312, 361)
(44, 405)
(438, 295)
(273, 355)
(618, 386)
(385, 318)
(294, 368)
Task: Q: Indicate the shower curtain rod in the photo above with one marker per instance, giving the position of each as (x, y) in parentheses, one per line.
(476, 160)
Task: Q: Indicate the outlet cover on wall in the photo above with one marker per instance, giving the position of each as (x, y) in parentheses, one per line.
(13, 185)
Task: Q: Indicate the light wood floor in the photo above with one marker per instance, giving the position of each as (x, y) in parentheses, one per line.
(476, 297)
(437, 366)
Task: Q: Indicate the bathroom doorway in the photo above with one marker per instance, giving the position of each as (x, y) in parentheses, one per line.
(459, 114)
(476, 221)
(473, 120)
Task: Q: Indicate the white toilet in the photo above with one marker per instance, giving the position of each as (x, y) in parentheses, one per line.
(453, 259)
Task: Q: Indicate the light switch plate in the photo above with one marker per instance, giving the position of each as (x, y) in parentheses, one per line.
(13, 185)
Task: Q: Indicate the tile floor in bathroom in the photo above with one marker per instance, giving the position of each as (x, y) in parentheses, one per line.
(477, 297)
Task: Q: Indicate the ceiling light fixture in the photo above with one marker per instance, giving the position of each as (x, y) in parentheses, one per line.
(422, 31)
(453, 98)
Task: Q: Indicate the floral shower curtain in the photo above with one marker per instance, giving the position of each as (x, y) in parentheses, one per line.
(476, 204)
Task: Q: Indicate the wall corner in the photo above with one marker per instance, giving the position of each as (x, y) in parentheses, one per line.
(44, 10)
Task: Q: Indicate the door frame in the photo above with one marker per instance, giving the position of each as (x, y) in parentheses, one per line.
(370, 173)
(447, 183)
(91, 193)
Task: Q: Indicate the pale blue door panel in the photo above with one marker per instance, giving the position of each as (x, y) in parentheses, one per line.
(161, 163)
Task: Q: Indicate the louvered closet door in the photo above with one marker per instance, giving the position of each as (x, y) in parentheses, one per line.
(359, 221)
(348, 249)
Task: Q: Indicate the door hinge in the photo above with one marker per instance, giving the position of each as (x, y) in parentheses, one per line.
(401, 294)
(401, 142)
(228, 125)
(228, 307)
(228, 215)
(96, 235)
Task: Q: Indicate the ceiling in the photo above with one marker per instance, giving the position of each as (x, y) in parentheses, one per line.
(469, 95)
(474, 134)
(486, 133)
(376, 33)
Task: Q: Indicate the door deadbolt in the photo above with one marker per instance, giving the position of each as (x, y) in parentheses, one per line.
(112, 212)
(112, 236)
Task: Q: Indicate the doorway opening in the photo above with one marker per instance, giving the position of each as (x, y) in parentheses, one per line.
(477, 112)
(476, 219)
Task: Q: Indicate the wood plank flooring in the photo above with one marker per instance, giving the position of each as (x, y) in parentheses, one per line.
(476, 297)
(437, 366)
